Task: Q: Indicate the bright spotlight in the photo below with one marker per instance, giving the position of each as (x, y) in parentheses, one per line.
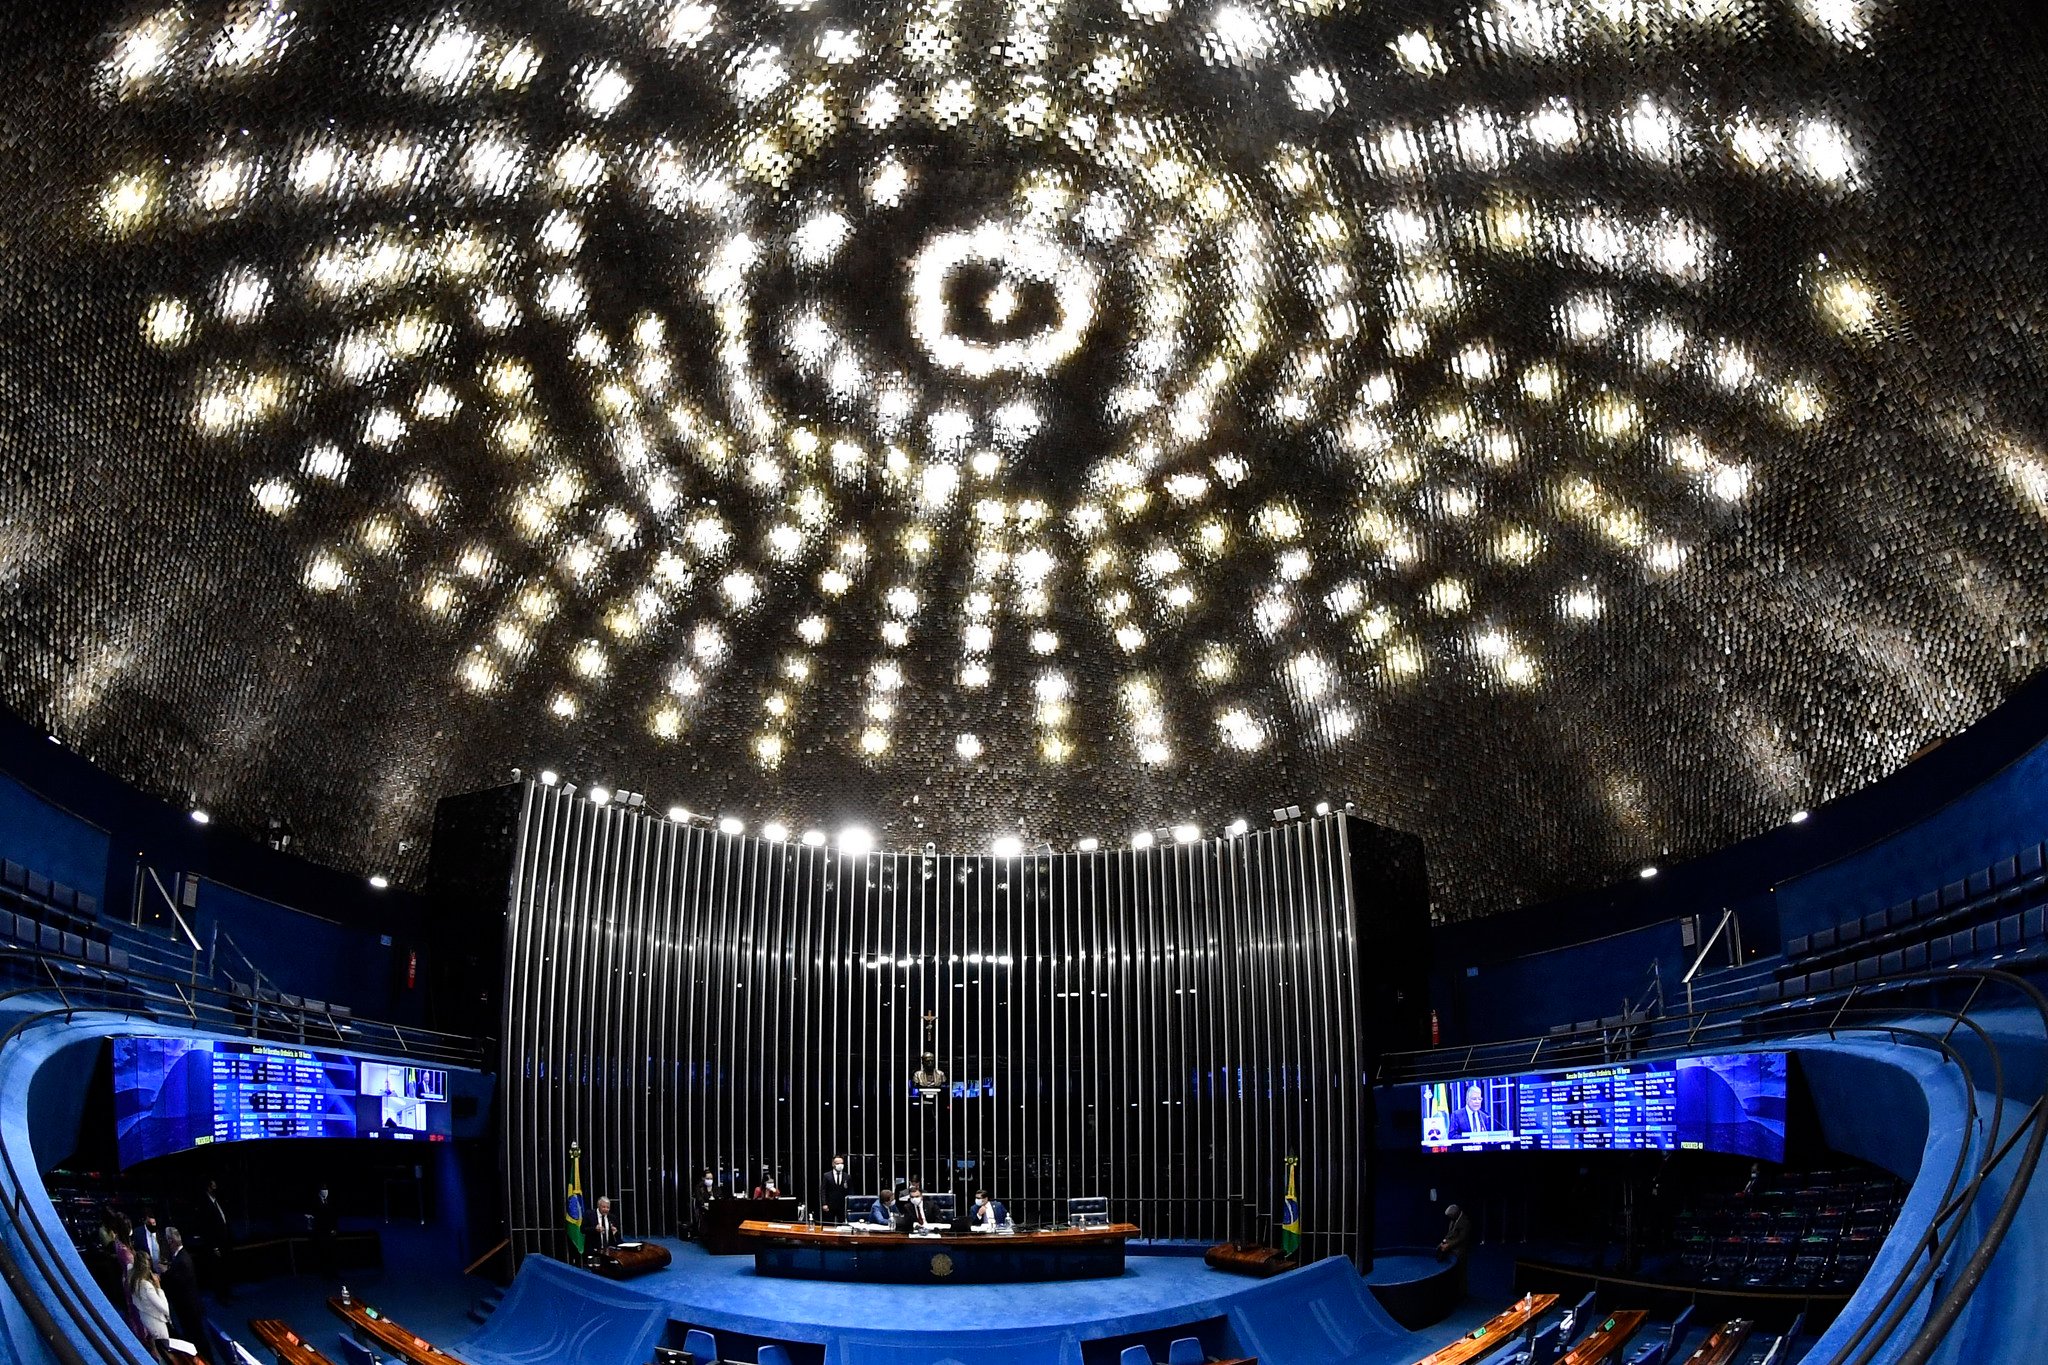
(549, 777)
(380, 881)
(732, 824)
(1142, 839)
(1648, 872)
(600, 796)
(1237, 827)
(1186, 834)
(775, 831)
(200, 817)
(679, 814)
(1799, 816)
(1089, 845)
(1322, 808)
(1009, 846)
(814, 838)
(856, 841)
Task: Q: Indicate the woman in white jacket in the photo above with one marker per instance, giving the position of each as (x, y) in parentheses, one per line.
(151, 1307)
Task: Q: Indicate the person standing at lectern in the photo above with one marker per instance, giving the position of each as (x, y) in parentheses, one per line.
(604, 1229)
(832, 1192)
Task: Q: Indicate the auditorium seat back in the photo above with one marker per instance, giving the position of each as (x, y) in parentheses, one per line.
(1134, 1355)
(1186, 1351)
(771, 1354)
(859, 1207)
(353, 1352)
(1088, 1211)
(702, 1346)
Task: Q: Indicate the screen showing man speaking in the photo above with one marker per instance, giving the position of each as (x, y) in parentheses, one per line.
(1728, 1103)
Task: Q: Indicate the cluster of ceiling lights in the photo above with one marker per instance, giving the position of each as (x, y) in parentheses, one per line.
(858, 840)
(1311, 292)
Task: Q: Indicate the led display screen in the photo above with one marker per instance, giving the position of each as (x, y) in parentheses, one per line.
(1730, 1103)
(172, 1094)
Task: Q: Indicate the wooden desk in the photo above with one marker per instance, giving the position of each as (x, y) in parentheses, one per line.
(625, 1261)
(813, 1251)
(285, 1344)
(718, 1226)
(1495, 1332)
(1607, 1339)
(1723, 1344)
(377, 1331)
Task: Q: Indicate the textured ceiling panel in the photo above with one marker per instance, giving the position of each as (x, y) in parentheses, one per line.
(1582, 434)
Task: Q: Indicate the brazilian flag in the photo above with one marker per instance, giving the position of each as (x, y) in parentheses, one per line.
(1290, 1212)
(572, 1207)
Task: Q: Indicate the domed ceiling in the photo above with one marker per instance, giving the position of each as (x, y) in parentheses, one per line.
(1580, 433)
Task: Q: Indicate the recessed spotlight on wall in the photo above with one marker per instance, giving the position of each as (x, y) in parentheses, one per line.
(1648, 872)
(1009, 846)
(380, 881)
(731, 824)
(200, 817)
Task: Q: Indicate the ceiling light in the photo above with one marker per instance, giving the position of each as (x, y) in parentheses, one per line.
(1008, 846)
(600, 796)
(679, 814)
(1237, 827)
(549, 777)
(379, 881)
(732, 824)
(200, 817)
(775, 831)
(1799, 817)
(814, 838)
(1186, 834)
(1142, 839)
(1648, 872)
(1089, 844)
(856, 841)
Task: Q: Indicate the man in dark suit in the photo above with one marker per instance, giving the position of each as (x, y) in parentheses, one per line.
(915, 1211)
(1473, 1118)
(216, 1242)
(181, 1288)
(323, 1220)
(604, 1229)
(832, 1192)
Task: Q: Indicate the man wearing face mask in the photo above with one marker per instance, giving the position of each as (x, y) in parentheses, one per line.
(832, 1192)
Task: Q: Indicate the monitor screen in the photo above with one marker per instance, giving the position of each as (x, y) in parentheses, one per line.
(171, 1094)
(1729, 1103)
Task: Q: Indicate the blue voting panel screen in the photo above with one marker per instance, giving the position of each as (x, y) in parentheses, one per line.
(1734, 1102)
(171, 1094)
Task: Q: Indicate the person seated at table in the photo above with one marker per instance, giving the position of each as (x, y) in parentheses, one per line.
(767, 1189)
(883, 1214)
(988, 1215)
(914, 1210)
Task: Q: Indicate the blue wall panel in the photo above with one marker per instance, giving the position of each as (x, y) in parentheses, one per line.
(300, 954)
(48, 839)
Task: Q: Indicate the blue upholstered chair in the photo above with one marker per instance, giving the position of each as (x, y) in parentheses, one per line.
(702, 1346)
(771, 1354)
(353, 1352)
(1134, 1355)
(1186, 1351)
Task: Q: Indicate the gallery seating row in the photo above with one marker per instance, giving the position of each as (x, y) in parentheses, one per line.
(26, 890)
(30, 932)
(2007, 888)
(2024, 931)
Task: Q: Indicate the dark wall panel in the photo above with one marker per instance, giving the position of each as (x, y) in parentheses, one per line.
(1162, 1027)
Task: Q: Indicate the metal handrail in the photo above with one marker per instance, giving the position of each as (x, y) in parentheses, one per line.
(1844, 1015)
(83, 1304)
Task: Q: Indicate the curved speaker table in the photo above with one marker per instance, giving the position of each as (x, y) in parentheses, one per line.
(811, 1251)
